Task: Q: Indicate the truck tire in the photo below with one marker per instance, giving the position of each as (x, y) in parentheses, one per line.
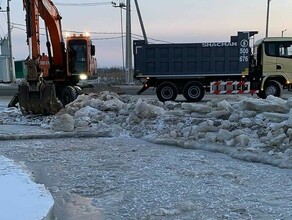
(194, 91)
(272, 87)
(166, 91)
(69, 94)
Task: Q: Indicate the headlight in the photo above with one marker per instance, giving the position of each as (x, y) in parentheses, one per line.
(83, 76)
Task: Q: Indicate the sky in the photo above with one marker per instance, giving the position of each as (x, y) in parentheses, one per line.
(172, 21)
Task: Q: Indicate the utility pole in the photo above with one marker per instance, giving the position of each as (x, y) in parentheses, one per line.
(268, 15)
(141, 22)
(122, 6)
(129, 66)
(129, 55)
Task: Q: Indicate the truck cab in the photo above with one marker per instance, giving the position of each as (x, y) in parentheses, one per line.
(274, 64)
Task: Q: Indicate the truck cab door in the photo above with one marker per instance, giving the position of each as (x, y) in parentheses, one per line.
(284, 60)
(270, 59)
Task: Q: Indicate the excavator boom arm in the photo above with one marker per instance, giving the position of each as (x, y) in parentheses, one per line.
(49, 13)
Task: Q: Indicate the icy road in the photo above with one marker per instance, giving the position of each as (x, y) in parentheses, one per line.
(126, 178)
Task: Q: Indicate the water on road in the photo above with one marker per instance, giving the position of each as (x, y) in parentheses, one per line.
(126, 178)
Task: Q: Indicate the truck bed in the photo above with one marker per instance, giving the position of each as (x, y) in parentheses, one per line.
(187, 60)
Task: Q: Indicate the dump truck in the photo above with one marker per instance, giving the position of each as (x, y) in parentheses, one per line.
(237, 66)
(52, 78)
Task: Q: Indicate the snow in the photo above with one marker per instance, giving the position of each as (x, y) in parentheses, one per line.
(243, 127)
(21, 198)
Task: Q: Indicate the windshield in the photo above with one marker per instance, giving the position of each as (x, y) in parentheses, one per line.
(77, 56)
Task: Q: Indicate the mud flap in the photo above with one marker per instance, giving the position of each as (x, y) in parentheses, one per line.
(38, 102)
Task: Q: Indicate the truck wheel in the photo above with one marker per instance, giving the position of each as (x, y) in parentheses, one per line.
(69, 94)
(166, 91)
(194, 91)
(272, 87)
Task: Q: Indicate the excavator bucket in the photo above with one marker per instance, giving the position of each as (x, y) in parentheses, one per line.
(42, 101)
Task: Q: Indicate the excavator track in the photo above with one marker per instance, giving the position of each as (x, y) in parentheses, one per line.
(38, 102)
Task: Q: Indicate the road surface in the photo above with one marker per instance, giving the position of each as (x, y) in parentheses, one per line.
(126, 179)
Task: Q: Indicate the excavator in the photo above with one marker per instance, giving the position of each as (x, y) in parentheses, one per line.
(52, 80)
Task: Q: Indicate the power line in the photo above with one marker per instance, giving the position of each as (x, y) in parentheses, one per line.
(77, 32)
(135, 36)
(153, 39)
(106, 38)
(83, 4)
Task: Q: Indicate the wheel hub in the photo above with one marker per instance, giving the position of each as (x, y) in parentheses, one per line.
(166, 92)
(271, 90)
(193, 92)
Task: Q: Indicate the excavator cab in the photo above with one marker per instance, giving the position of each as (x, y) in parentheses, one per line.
(79, 52)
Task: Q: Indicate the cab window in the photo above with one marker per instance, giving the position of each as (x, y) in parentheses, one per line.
(285, 49)
(279, 49)
(270, 49)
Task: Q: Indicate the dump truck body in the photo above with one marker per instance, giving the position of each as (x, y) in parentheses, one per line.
(193, 59)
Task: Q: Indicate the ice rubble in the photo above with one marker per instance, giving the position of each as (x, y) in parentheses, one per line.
(244, 127)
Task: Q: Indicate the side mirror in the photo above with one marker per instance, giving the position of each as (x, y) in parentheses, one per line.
(92, 50)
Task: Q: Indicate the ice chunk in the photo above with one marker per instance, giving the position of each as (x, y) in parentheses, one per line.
(82, 122)
(276, 100)
(87, 111)
(224, 135)
(289, 103)
(206, 126)
(226, 106)
(289, 121)
(243, 140)
(63, 122)
(112, 105)
(261, 105)
(246, 122)
(195, 107)
(172, 105)
(275, 117)
(145, 110)
(173, 134)
(278, 140)
(220, 114)
(289, 133)
(211, 137)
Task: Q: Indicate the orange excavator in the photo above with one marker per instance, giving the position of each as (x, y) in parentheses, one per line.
(52, 79)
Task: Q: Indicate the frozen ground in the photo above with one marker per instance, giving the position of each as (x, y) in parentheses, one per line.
(243, 127)
(186, 184)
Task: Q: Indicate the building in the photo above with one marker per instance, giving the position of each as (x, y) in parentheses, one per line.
(4, 60)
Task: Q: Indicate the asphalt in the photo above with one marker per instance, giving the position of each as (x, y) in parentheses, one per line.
(11, 90)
